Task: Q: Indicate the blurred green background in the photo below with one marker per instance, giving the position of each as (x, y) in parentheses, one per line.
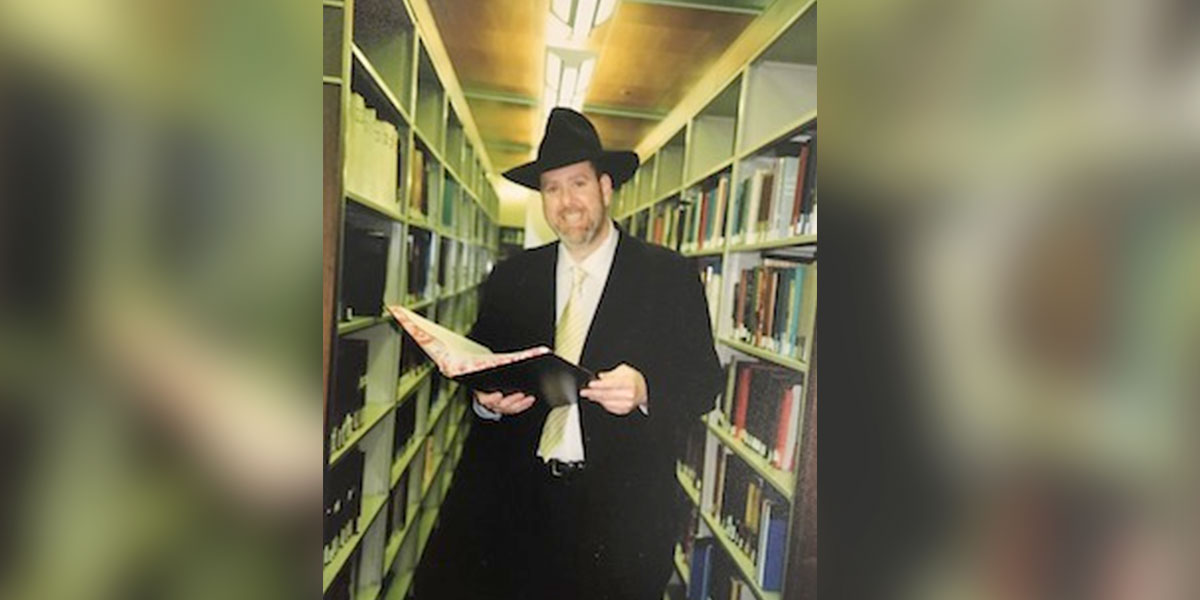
(159, 299)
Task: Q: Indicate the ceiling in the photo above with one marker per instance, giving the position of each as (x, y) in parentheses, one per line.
(648, 55)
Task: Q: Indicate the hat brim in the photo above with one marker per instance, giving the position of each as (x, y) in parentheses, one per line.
(619, 164)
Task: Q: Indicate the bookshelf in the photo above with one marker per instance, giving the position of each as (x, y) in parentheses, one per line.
(410, 219)
(731, 182)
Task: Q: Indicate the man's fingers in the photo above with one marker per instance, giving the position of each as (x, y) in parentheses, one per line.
(608, 394)
(607, 384)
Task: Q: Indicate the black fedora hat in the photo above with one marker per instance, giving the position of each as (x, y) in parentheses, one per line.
(571, 138)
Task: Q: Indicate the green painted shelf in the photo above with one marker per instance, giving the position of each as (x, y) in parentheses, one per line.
(372, 505)
(782, 132)
(411, 381)
(399, 588)
(388, 211)
(396, 542)
(767, 355)
(783, 481)
(770, 244)
(410, 451)
(681, 566)
(689, 487)
(419, 304)
(749, 572)
(361, 60)
(359, 323)
(373, 413)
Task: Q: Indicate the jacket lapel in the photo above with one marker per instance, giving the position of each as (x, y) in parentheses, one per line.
(612, 308)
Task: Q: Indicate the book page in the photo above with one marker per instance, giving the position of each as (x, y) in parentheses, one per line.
(454, 354)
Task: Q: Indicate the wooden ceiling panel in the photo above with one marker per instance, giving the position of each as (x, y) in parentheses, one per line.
(497, 46)
(504, 160)
(649, 57)
(619, 133)
(653, 54)
(506, 122)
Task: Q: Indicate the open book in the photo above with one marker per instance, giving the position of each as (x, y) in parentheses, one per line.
(536, 371)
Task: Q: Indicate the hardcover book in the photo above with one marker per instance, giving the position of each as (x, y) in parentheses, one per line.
(536, 371)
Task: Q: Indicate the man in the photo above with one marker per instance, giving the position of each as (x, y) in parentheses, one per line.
(579, 502)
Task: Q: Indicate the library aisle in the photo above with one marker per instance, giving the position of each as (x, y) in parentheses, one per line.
(425, 104)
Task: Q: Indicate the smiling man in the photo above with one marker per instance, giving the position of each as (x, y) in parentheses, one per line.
(580, 501)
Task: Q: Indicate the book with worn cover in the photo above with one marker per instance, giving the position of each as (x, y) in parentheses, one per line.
(536, 371)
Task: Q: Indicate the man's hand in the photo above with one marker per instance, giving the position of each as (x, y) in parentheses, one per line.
(619, 391)
(504, 405)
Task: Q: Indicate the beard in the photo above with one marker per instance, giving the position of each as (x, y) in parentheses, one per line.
(580, 233)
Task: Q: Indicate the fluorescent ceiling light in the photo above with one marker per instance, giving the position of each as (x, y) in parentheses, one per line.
(585, 76)
(605, 11)
(562, 9)
(553, 68)
(566, 92)
(585, 11)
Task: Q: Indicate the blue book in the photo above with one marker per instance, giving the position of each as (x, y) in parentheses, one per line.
(701, 568)
(773, 543)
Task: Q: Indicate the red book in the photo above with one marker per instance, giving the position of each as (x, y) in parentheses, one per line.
(798, 200)
(781, 432)
(703, 208)
(741, 400)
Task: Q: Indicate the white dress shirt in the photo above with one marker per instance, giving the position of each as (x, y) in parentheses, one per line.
(597, 266)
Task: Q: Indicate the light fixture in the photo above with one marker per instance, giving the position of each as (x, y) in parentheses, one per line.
(569, 64)
(568, 74)
(570, 22)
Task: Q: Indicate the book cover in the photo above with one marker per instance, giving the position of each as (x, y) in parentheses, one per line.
(701, 568)
(772, 547)
(536, 371)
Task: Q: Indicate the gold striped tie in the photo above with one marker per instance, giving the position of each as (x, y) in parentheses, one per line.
(569, 335)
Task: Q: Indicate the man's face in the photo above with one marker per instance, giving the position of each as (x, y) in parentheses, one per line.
(575, 201)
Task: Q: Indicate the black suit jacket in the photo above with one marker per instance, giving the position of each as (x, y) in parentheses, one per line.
(653, 316)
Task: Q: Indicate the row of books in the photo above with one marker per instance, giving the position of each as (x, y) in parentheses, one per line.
(349, 393)
(364, 264)
(424, 174)
(767, 301)
(664, 224)
(765, 410)
(343, 501)
(461, 265)
(713, 575)
(419, 258)
(777, 200)
(458, 313)
(372, 154)
(752, 515)
(704, 215)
